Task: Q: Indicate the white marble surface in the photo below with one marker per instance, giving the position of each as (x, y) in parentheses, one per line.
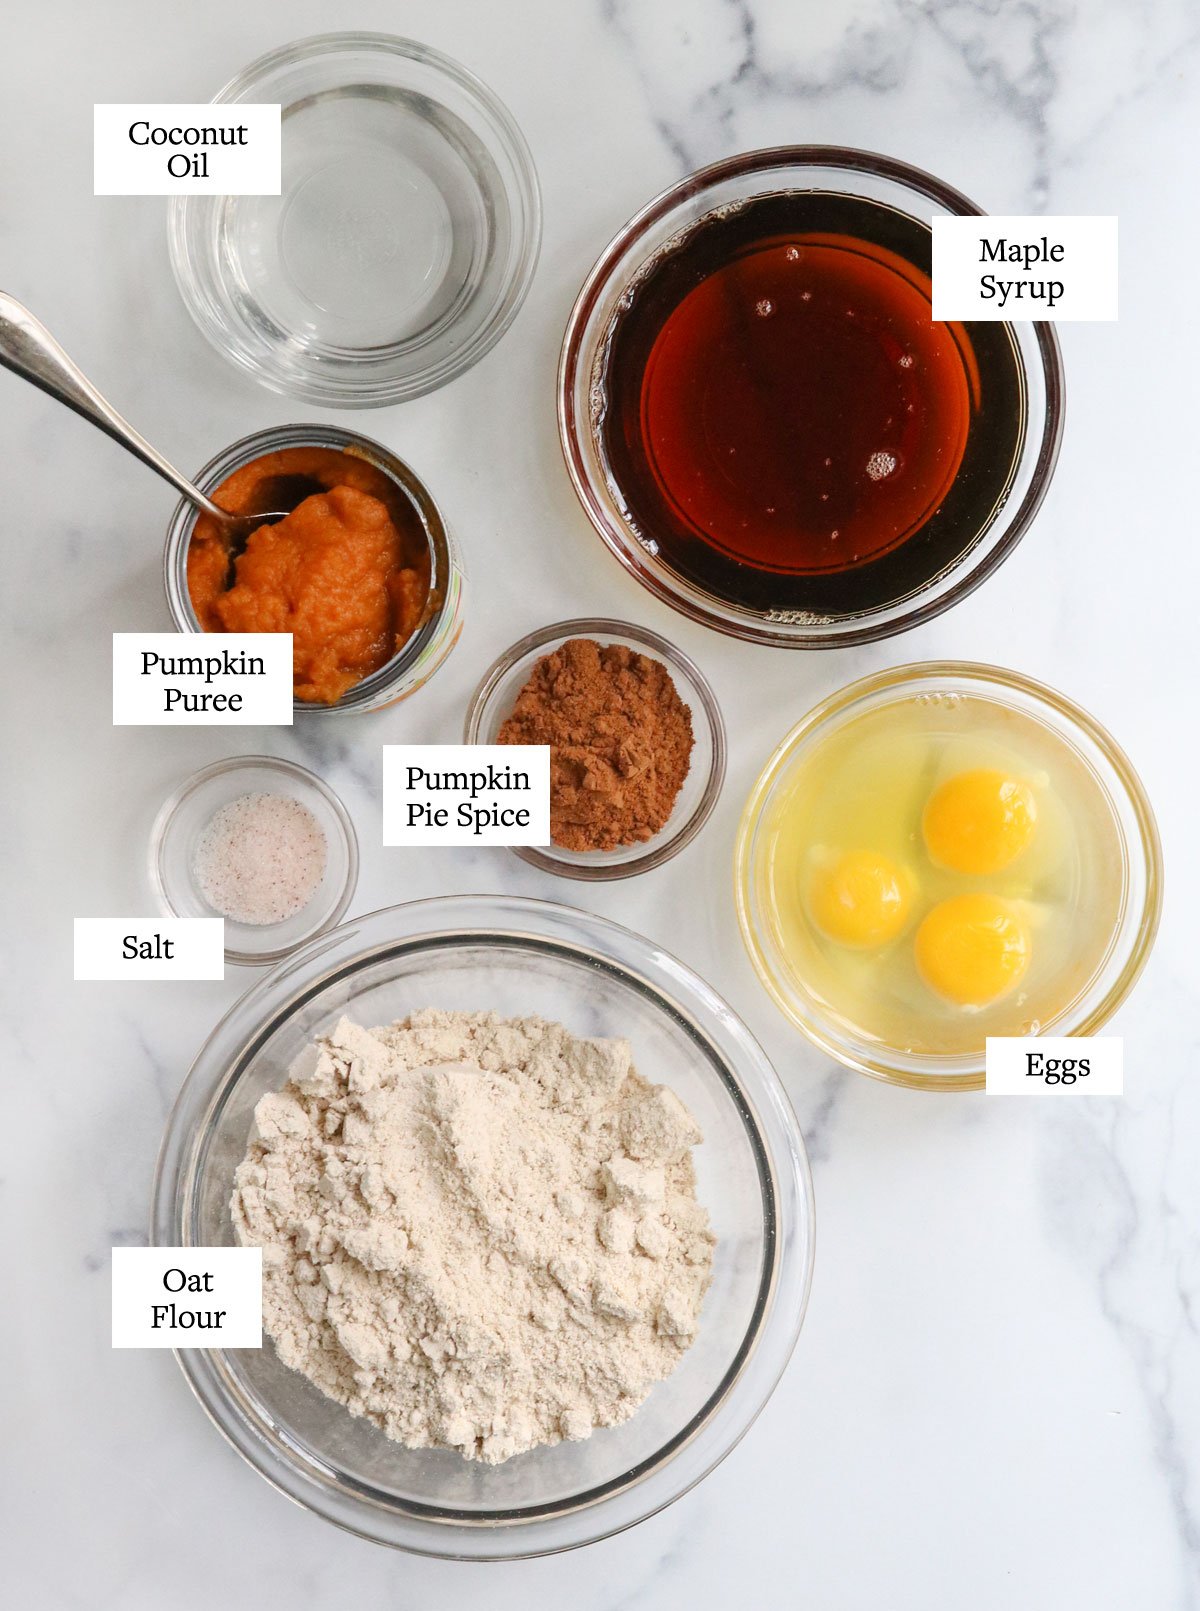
(996, 1398)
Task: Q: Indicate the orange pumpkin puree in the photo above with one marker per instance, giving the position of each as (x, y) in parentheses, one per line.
(346, 573)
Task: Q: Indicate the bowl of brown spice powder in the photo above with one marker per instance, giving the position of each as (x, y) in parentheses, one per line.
(637, 742)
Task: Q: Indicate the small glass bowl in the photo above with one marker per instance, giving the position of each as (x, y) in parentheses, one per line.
(515, 957)
(496, 695)
(433, 640)
(723, 187)
(404, 238)
(183, 819)
(1111, 772)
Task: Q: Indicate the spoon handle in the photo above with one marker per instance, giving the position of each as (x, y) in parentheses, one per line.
(29, 350)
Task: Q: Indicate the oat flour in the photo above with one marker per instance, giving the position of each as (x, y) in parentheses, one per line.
(479, 1233)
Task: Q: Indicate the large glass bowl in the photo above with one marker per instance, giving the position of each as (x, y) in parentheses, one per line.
(516, 957)
(582, 396)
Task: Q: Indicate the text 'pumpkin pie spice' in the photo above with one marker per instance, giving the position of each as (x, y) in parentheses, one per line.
(620, 742)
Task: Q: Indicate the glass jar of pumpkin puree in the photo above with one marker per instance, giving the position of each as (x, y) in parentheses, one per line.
(363, 572)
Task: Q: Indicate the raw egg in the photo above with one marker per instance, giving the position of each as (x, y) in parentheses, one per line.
(972, 949)
(979, 822)
(861, 899)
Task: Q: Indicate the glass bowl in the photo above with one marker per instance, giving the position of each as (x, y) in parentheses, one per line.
(722, 189)
(496, 695)
(1120, 799)
(404, 238)
(433, 640)
(183, 819)
(515, 957)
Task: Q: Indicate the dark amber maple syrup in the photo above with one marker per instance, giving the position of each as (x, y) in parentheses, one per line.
(784, 423)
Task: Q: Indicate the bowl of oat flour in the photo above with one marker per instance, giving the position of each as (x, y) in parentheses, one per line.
(536, 1222)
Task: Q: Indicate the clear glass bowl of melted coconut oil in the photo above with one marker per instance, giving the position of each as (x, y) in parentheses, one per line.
(403, 239)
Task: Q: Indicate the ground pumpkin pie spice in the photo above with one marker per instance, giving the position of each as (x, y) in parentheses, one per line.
(620, 742)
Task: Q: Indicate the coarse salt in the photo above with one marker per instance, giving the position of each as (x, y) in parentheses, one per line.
(261, 859)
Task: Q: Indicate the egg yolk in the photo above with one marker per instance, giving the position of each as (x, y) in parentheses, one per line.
(862, 900)
(972, 949)
(979, 822)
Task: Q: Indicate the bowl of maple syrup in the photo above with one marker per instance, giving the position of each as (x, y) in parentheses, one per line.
(766, 425)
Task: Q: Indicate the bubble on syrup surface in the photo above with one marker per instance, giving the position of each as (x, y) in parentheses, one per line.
(764, 307)
(880, 465)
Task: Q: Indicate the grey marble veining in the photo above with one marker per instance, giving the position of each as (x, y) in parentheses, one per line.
(996, 1398)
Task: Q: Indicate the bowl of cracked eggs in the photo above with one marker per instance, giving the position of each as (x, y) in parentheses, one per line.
(940, 853)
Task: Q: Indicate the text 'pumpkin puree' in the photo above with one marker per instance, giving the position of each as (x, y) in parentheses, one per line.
(346, 572)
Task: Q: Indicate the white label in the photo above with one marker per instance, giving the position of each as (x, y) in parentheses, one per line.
(1044, 1065)
(186, 150)
(1026, 267)
(466, 794)
(202, 679)
(187, 1297)
(149, 948)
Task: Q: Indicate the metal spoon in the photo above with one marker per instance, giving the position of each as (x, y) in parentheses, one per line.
(29, 350)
